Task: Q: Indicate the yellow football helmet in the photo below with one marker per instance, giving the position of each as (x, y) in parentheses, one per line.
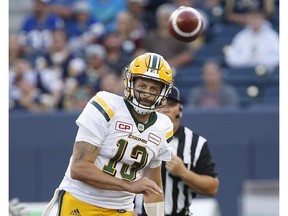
(149, 66)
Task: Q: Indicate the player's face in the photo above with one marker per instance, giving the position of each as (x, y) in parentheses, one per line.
(147, 91)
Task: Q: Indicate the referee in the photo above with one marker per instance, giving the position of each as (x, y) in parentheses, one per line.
(191, 170)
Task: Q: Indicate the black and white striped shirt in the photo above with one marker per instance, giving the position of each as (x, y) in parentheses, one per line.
(193, 150)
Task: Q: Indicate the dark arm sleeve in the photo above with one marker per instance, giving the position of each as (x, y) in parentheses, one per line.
(205, 164)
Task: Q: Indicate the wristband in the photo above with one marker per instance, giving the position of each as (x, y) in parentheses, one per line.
(154, 209)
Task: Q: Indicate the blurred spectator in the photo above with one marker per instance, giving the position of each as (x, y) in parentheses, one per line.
(58, 56)
(23, 91)
(138, 52)
(213, 93)
(34, 90)
(107, 11)
(151, 7)
(160, 41)
(76, 75)
(236, 10)
(113, 83)
(36, 30)
(84, 79)
(257, 44)
(56, 65)
(62, 8)
(51, 85)
(117, 58)
(76, 99)
(96, 66)
(15, 50)
(83, 29)
(132, 31)
(214, 10)
(144, 18)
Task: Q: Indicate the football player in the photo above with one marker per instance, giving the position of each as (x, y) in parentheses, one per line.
(120, 146)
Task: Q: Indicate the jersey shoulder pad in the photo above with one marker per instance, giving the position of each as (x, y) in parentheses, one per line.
(164, 121)
(106, 103)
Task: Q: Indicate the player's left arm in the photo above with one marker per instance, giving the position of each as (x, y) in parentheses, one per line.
(154, 203)
(155, 175)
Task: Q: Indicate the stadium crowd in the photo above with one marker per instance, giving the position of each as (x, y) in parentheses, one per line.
(66, 51)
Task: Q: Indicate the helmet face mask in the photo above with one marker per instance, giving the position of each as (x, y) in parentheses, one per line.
(149, 66)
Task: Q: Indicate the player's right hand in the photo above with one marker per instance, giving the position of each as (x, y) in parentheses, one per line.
(145, 186)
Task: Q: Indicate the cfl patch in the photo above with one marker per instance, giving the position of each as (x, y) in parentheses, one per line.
(154, 139)
(124, 127)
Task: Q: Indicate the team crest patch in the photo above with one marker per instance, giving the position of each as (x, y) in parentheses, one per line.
(154, 139)
(141, 127)
(125, 127)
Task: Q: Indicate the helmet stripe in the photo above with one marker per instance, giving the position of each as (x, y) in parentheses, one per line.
(154, 63)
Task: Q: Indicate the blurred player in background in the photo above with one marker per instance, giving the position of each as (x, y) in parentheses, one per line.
(17, 208)
(120, 146)
(191, 170)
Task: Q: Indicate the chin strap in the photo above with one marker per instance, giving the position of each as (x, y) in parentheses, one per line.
(154, 209)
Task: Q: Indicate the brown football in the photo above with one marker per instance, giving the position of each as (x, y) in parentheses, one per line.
(186, 24)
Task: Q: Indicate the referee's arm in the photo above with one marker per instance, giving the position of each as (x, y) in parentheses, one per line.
(200, 183)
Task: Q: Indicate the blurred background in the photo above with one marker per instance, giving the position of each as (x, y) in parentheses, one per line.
(63, 52)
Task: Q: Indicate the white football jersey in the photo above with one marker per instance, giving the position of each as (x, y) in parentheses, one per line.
(126, 147)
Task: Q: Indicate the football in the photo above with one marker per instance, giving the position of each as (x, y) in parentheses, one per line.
(185, 24)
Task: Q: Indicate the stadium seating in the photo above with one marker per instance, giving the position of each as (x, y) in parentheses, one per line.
(223, 33)
(271, 95)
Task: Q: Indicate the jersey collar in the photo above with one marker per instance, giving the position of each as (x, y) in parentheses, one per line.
(140, 125)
